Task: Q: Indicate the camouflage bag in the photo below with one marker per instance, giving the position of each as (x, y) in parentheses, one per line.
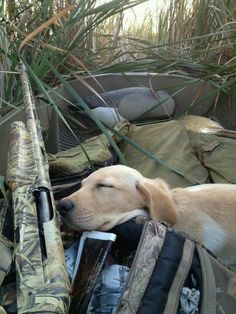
(172, 274)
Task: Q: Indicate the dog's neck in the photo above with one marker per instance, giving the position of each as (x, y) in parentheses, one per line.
(123, 217)
(132, 214)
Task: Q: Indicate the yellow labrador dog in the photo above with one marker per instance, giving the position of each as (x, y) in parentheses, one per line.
(115, 194)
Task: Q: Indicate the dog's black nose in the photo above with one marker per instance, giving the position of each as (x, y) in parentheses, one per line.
(65, 205)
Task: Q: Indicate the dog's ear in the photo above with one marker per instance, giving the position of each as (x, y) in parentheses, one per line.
(157, 198)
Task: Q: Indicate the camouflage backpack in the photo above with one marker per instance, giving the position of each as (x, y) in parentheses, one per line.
(172, 274)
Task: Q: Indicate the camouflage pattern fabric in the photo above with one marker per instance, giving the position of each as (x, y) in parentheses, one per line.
(150, 245)
(29, 262)
(2, 311)
(42, 281)
(6, 241)
(7, 295)
(21, 168)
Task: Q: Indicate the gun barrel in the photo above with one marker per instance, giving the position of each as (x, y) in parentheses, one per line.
(33, 126)
(42, 279)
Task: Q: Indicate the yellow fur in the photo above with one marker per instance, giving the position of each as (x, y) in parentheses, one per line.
(112, 195)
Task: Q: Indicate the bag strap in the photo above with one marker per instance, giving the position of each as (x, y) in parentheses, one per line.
(149, 248)
(180, 277)
(208, 304)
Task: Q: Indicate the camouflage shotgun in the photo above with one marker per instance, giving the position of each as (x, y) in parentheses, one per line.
(42, 280)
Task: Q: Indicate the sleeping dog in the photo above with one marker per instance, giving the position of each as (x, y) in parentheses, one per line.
(115, 194)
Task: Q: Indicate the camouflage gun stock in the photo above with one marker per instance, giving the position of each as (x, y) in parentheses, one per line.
(42, 280)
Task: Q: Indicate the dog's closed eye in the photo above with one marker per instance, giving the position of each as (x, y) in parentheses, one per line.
(104, 185)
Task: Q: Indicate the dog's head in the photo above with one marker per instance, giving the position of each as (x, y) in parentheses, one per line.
(112, 195)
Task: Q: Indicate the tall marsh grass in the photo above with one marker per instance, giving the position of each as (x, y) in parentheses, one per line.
(52, 30)
(58, 40)
(194, 32)
(91, 36)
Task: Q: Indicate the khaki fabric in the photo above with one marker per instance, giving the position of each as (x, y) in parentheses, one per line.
(217, 154)
(168, 141)
(183, 158)
(74, 161)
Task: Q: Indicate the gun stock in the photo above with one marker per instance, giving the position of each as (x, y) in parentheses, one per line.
(42, 280)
